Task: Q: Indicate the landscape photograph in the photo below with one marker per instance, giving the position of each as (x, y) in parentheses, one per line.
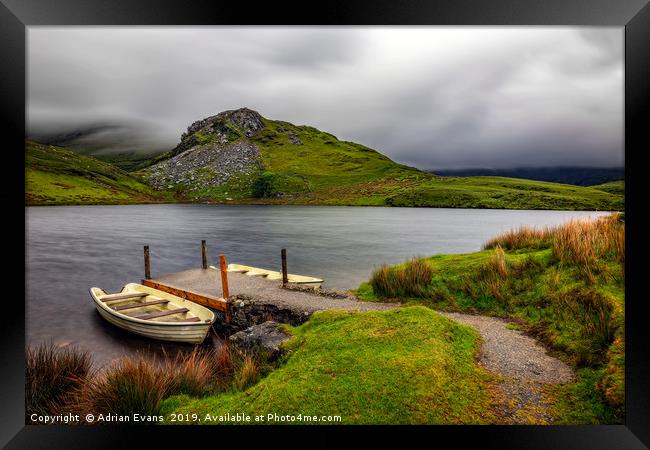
(324, 225)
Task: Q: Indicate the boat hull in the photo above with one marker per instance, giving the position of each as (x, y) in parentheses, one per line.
(186, 332)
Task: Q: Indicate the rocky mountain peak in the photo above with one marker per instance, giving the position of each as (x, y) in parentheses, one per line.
(223, 128)
(243, 120)
(246, 119)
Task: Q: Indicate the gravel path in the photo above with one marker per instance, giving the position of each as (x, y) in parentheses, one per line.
(524, 365)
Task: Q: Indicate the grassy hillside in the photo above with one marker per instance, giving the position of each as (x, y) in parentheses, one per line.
(241, 157)
(303, 165)
(565, 285)
(613, 187)
(409, 365)
(56, 176)
(131, 161)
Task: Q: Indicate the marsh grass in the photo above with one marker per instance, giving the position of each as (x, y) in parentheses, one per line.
(248, 372)
(60, 379)
(592, 312)
(130, 386)
(53, 374)
(199, 372)
(411, 279)
(522, 237)
(586, 242)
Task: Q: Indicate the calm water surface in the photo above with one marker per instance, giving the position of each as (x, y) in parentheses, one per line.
(70, 249)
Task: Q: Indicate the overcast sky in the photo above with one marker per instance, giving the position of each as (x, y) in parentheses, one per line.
(432, 97)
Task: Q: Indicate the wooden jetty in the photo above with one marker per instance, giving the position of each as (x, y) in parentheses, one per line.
(212, 288)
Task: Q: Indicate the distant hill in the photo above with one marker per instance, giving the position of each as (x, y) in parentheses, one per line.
(128, 145)
(238, 156)
(579, 176)
(56, 176)
(613, 187)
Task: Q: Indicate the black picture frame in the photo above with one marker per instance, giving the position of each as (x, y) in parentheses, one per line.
(634, 15)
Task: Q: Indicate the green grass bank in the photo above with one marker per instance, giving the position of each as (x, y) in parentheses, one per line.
(565, 285)
(403, 366)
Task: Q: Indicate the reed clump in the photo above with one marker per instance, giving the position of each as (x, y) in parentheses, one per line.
(248, 372)
(584, 242)
(412, 279)
(52, 375)
(199, 372)
(60, 380)
(575, 242)
(130, 386)
(522, 237)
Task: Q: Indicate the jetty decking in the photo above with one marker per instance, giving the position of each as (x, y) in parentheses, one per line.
(204, 286)
(226, 291)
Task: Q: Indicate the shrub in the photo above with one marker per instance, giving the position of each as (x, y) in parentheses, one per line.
(52, 376)
(264, 186)
(412, 279)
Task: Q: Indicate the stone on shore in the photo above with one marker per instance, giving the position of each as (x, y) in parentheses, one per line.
(265, 337)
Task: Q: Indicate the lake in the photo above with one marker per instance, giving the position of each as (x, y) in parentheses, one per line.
(72, 248)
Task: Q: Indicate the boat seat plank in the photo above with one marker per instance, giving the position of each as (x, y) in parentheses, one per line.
(122, 296)
(140, 305)
(168, 312)
(189, 319)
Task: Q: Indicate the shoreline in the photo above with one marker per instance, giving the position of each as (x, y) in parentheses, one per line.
(320, 205)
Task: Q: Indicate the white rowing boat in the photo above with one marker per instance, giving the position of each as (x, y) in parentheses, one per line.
(155, 314)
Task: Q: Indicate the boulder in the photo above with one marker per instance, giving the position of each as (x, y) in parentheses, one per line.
(265, 337)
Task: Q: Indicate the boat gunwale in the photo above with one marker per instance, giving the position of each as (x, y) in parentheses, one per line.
(109, 310)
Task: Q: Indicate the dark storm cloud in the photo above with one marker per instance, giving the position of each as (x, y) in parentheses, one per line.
(434, 97)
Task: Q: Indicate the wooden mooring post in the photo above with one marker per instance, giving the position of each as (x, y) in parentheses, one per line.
(224, 275)
(285, 277)
(204, 254)
(147, 263)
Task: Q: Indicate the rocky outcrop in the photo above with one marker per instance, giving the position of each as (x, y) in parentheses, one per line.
(266, 338)
(247, 311)
(227, 126)
(212, 151)
(293, 138)
(203, 166)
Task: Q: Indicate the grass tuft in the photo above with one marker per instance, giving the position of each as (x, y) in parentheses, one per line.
(52, 375)
(248, 372)
(131, 386)
(520, 238)
(60, 379)
(409, 280)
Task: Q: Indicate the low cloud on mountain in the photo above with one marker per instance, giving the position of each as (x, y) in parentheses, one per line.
(433, 97)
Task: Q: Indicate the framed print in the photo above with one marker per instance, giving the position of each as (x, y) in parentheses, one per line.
(393, 218)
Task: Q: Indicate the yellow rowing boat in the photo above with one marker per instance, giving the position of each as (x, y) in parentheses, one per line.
(302, 280)
(155, 314)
